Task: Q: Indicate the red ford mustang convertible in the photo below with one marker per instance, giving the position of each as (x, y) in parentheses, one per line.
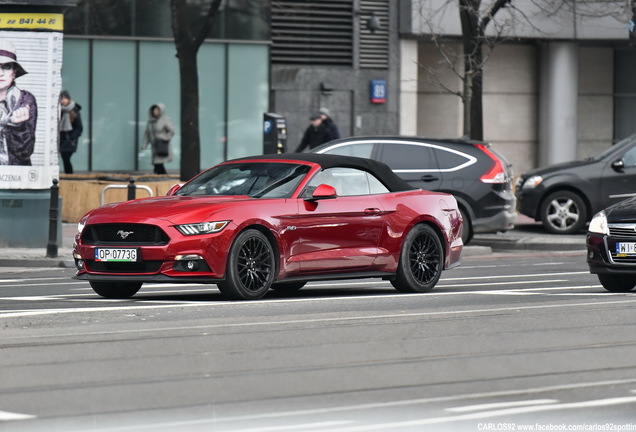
(264, 222)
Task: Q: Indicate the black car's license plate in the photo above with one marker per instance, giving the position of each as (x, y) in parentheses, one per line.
(623, 248)
(117, 255)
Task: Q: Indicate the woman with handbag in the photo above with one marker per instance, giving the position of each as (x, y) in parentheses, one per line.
(159, 132)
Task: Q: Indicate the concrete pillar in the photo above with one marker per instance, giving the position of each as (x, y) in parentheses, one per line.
(408, 87)
(558, 103)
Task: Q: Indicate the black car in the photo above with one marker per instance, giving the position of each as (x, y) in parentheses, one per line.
(473, 171)
(611, 246)
(565, 196)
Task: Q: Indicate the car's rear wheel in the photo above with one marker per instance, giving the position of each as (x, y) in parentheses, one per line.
(115, 290)
(250, 267)
(617, 282)
(288, 287)
(421, 261)
(467, 228)
(563, 212)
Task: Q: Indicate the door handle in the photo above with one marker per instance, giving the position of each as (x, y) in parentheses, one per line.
(429, 178)
(371, 211)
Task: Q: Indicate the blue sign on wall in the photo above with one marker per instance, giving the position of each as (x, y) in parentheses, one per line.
(378, 91)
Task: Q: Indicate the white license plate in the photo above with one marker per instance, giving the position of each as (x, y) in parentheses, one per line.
(117, 255)
(623, 249)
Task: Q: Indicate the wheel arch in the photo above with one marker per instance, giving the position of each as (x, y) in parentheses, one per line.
(270, 236)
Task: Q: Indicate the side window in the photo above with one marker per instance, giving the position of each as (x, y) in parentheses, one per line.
(449, 160)
(363, 150)
(629, 158)
(408, 157)
(346, 181)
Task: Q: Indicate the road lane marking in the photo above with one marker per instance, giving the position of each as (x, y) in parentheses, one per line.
(490, 414)
(500, 405)
(10, 416)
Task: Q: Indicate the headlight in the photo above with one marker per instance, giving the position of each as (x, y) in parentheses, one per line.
(532, 182)
(202, 228)
(81, 224)
(598, 224)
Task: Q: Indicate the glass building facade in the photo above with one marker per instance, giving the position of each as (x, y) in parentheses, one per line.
(119, 59)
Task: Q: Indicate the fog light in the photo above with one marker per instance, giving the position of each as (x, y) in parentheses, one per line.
(80, 264)
(590, 254)
(192, 265)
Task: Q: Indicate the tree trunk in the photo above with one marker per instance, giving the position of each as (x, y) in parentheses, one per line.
(472, 37)
(190, 138)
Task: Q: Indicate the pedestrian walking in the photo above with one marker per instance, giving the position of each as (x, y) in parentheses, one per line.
(159, 132)
(18, 111)
(316, 134)
(327, 120)
(70, 129)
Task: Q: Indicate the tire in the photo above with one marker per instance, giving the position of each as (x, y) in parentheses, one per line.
(617, 282)
(467, 228)
(115, 290)
(563, 212)
(288, 287)
(421, 261)
(250, 267)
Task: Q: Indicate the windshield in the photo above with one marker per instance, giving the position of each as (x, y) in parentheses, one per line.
(254, 179)
(616, 147)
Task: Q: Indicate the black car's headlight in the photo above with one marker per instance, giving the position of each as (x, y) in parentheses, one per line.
(202, 228)
(532, 182)
(598, 224)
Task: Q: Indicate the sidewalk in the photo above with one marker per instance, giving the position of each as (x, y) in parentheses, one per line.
(527, 235)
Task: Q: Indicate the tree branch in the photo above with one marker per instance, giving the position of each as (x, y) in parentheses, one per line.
(209, 21)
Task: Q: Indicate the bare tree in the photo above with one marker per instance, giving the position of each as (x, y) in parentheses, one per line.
(484, 25)
(187, 44)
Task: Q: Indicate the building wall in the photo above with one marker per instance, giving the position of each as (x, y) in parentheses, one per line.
(116, 97)
(511, 101)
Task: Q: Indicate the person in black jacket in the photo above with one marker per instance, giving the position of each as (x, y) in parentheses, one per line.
(317, 133)
(328, 121)
(70, 128)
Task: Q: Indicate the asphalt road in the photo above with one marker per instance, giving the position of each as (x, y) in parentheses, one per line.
(505, 342)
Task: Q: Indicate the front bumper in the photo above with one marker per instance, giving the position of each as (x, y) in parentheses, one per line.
(528, 201)
(600, 260)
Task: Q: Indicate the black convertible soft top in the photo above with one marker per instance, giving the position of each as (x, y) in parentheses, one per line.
(378, 169)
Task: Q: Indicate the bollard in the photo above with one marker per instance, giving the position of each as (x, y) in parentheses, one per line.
(132, 189)
(51, 247)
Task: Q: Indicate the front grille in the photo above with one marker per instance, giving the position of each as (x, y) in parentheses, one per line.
(123, 267)
(124, 234)
(623, 231)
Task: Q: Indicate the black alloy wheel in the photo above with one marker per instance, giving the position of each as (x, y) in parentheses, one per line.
(250, 267)
(421, 261)
(115, 290)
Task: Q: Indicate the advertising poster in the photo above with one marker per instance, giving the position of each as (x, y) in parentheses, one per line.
(30, 84)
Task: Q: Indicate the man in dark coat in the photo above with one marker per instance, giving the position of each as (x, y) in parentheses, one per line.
(328, 121)
(316, 134)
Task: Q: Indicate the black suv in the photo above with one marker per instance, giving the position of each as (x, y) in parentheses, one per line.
(565, 196)
(478, 176)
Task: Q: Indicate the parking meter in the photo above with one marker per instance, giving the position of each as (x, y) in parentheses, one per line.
(274, 134)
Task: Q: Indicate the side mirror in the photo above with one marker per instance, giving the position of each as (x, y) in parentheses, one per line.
(174, 189)
(324, 191)
(618, 164)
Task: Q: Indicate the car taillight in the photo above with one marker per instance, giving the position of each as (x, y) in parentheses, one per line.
(496, 174)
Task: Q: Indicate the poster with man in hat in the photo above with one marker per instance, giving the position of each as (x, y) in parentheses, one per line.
(30, 84)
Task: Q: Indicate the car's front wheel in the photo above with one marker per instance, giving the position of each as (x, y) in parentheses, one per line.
(421, 261)
(115, 290)
(250, 267)
(617, 282)
(563, 212)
